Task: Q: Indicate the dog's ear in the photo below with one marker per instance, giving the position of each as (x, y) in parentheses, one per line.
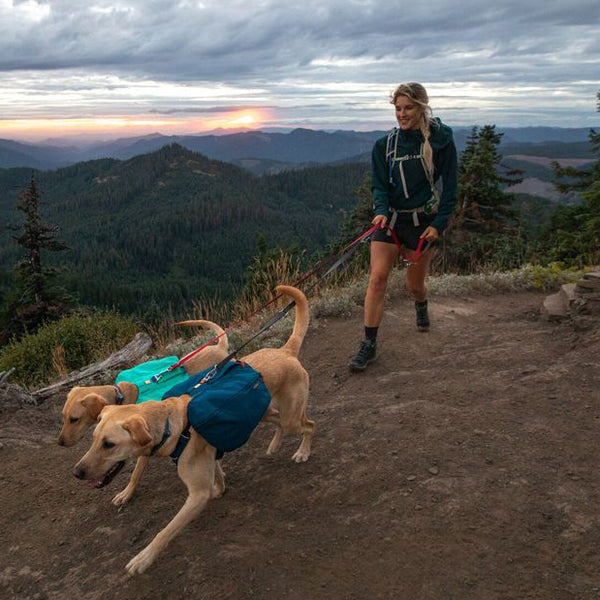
(94, 403)
(138, 428)
(130, 391)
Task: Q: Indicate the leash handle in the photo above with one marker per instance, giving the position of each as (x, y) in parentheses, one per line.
(422, 246)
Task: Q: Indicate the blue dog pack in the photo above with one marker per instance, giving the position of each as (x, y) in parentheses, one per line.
(153, 378)
(226, 405)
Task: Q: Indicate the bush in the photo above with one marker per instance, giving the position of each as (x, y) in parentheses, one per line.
(64, 346)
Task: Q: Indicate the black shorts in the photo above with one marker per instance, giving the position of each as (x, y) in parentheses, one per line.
(407, 233)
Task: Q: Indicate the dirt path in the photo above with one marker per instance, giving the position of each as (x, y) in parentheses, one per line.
(462, 465)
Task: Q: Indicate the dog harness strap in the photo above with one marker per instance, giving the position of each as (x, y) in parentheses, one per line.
(182, 442)
(165, 437)
(119, 399)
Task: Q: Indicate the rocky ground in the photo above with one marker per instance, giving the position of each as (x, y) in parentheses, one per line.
(461, 465)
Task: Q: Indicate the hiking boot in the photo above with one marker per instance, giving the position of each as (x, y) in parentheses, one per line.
(366, 354)
(422, 316)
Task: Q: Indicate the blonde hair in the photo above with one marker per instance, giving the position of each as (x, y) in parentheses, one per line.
(418, 94)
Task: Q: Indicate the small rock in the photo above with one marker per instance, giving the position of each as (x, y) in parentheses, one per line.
(433, 470)
(411, 478)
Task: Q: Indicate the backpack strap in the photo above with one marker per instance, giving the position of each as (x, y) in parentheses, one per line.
(391, 157)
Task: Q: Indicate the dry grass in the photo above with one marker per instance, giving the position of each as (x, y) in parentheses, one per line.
(59, 362)
(345, 300)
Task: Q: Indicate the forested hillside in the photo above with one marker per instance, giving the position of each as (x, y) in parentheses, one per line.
(170, 227)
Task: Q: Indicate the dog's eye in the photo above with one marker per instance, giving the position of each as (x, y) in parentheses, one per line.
(107, 444)
(73, 419)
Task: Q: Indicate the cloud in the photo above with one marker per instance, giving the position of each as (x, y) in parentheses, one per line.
(170, 54)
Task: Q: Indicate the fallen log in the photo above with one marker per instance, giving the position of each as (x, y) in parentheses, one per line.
(124, 357)
(12, 394)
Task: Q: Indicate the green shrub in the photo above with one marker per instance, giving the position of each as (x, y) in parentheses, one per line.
(64, 346)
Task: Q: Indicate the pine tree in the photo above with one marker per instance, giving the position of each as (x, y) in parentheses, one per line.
(38, 298)
(483, 230)
(483, 207)
(573, 234)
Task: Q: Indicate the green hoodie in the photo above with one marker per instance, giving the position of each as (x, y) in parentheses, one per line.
(410, 187)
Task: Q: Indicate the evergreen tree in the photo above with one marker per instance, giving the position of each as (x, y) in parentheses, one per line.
(483, 207)
(483, 230)
(573, 234)
(38, 298)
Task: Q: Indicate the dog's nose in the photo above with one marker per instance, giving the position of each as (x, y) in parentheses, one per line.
(79, 472)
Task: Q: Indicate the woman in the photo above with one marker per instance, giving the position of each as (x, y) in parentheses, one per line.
(407, 164)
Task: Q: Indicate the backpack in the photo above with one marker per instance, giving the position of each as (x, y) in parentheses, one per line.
(225, 408)
(152, 378)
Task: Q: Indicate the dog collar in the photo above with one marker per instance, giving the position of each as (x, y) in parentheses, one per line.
(165, 437)
(119, 395)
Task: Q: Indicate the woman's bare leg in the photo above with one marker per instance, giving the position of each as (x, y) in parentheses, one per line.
(383, 258)
(416, 274)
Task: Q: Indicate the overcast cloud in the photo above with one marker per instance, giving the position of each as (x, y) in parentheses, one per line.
(317, 63)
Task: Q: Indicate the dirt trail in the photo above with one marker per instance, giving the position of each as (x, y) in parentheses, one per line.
(461, 465)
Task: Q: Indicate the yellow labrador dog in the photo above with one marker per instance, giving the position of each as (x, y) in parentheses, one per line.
(84, 404)
(153, 428)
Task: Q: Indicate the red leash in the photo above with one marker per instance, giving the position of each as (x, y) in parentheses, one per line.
(418, 253)
(318, 266)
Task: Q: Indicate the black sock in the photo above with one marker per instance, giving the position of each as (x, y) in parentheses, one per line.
(421, 304)
(371, 333)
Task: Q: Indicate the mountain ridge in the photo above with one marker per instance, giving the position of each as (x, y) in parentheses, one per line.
(300, 145)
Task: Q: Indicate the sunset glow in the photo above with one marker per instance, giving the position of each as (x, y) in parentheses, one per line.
(244, 118)
(39, 127)
(74, 68)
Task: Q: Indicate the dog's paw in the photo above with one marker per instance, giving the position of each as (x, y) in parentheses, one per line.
(139, 563)
(122, 497)
(300, 456)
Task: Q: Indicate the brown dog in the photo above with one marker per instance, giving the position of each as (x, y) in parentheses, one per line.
(153, 428)
(84, 404)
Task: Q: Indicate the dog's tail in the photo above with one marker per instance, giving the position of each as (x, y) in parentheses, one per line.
(223, 342)
(302, 317)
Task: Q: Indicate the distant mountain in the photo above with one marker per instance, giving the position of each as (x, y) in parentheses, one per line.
(295, 147)
(550, 149)
(169, 227)
(534, 135)
(18, 154)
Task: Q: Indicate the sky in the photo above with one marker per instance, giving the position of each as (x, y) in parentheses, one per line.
(132, 67)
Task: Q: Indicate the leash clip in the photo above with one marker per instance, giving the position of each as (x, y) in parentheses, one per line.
(156, 378)
(207, 377)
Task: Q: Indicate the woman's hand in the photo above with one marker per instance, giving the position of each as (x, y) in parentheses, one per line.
(380, 220)
(431, 234)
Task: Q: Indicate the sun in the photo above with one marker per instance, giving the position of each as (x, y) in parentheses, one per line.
(245, 118)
